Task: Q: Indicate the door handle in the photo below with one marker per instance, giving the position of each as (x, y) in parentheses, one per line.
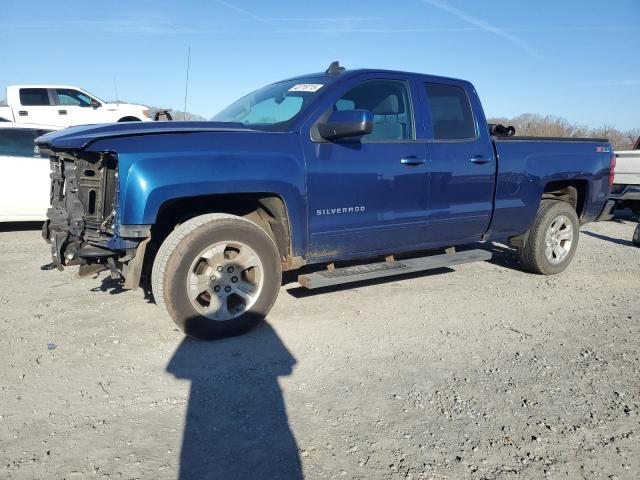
(62, 112)
(479, 159)
(23, 113)
(412, 160)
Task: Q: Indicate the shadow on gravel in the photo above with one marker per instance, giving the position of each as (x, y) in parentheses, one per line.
(20, 226)
(110, 286)
(619, 241)
(236, 423)
(116, 286)
(503, 256)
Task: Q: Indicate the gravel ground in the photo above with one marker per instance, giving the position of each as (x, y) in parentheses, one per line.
(481, 371)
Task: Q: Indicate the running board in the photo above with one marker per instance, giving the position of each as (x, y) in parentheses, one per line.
(358, 273)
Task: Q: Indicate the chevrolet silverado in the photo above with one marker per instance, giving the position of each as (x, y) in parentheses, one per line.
(342, 165)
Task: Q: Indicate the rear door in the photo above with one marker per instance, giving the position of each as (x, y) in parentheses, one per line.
(462, 163)
(36, 106)
(25, 182)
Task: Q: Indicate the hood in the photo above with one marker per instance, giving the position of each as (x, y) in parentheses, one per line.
(132, 106)
(79, 137)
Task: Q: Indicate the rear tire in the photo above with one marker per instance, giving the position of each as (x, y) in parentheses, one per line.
(216, 275)
(552, 240)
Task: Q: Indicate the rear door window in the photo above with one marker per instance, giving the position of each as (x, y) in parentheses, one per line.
(451, 114)
(18, 142)
(33, 97)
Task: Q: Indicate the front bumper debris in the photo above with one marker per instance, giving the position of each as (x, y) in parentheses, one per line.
(67, 249)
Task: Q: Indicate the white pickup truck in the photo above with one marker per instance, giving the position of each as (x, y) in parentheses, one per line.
(626, 182)
(65, 106)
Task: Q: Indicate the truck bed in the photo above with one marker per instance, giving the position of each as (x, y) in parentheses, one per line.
(549, 139)
(527, 164)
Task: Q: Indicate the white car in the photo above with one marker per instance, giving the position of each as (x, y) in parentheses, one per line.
(65, 106)
(25, 183)
(626, 180)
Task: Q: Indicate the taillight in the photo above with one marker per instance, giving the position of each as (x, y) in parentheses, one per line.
(612, 170)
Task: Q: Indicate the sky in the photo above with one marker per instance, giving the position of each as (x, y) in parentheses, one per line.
(575, 59)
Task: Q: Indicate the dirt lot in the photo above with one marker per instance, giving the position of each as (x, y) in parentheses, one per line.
(481, 371)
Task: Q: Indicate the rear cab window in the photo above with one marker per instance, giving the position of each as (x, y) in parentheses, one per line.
(450, 110)
(34, 97)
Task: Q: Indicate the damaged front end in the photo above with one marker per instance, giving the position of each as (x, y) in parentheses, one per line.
(82, 223)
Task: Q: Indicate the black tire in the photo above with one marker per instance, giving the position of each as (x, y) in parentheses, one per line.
(532, 255)
(129, 119)
(636, 236)
(181, 248)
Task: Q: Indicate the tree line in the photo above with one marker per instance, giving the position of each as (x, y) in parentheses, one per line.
(531, 124)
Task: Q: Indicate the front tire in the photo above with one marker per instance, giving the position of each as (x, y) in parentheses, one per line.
(216, 275)
(552, 240)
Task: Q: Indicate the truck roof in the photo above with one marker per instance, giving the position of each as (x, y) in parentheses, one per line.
(358, 71)
(44, 85)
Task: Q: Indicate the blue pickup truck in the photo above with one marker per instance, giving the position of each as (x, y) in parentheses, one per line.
(344, 165)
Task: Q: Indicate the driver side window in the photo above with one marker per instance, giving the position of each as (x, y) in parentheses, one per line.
(390, 104)
(70, 97)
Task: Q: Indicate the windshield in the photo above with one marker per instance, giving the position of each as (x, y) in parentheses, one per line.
(273, 107)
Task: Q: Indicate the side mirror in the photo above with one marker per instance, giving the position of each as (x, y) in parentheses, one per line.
(95, 103)
(346, 123)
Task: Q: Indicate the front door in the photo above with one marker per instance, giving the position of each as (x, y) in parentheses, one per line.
(74, 107)
(369, 194)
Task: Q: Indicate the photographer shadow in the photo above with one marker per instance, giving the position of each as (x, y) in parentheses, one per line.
(236, 423)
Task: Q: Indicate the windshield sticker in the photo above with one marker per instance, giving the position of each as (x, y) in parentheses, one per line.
(306, 87)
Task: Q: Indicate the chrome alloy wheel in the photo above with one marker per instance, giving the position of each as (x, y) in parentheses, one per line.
(225, 280)
(558, 239)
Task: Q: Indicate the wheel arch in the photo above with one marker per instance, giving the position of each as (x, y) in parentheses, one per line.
(574, 192)
(267, 209)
